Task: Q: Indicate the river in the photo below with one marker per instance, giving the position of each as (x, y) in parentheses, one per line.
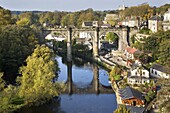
(88, 91)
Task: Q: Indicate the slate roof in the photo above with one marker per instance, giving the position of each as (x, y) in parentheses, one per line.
(134, 109)
(106, 25)
(129, 92)
(158, 18)
(160, 68)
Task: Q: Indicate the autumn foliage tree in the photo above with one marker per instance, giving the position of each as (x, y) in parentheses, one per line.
(37, 84)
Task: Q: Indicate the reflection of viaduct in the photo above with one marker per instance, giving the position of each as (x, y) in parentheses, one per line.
(94, 88)
(69, 33)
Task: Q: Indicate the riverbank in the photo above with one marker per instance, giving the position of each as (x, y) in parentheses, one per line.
(113, 83)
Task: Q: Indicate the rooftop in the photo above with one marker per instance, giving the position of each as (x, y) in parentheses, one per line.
(129, 92)
(158, 18)
(134, 109)
(131, 50)
(88, 23)
(160, 68)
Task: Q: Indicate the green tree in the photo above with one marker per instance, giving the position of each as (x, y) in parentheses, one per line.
(37, 76)
(122, 109)
(16, 44)
(2, 82)
(111, 37)
(144, 11)
(115, 73)
(164, 52)
(10, 101)
(5, 16)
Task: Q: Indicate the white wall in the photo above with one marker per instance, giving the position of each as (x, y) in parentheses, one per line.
(84, 35)
(153, 25)
(158, 74)
(136, 72)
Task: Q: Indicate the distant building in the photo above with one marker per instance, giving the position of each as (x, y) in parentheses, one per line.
(155, 23)
(130, 22)
(90, 24)
(122, 7)
(131, 97)
(109, 18)
(87, 24)
(159, 71)
(167, 15)
(166, 21)
(85, 35)
(105, 26)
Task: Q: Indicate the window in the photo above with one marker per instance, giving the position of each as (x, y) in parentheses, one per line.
(143, 73)
(151, 70)
(136, 73)
(155, 72)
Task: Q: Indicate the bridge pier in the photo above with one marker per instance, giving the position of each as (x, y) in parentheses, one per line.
(123, 42)
(96, 43)
(96, 78)
(69, 79)
(69, 44)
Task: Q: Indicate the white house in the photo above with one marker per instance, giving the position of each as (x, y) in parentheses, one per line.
(138, 76)
(159, 71)
(166, 21)
(167, 15)
(85, 35)
(155, 23)
(130, 22)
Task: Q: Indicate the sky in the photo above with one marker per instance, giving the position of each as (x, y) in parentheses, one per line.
(74, 5)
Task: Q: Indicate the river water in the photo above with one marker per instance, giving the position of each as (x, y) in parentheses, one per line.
(88, 91)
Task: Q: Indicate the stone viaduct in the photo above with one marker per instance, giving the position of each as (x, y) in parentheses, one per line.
(70, 33)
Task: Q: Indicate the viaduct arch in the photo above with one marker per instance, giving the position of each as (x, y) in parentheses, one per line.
(70, 33)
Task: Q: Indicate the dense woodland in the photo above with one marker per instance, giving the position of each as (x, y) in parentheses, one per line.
(24, 61)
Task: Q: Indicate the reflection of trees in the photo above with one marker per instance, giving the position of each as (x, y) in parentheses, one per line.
(53, 106)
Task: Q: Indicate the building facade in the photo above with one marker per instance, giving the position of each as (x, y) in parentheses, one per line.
(159, 71)
(155, 23)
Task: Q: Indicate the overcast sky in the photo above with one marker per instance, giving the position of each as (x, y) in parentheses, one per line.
(74, 5)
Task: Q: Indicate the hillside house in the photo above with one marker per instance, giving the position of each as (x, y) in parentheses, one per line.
(159, 71)
(166, 21)
(131, 97)
(138, 75)
(155, 23)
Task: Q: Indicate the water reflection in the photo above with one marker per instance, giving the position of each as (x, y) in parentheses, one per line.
(87, 91)
(83, 81)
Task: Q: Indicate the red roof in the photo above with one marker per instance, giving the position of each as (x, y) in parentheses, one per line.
(131, 50)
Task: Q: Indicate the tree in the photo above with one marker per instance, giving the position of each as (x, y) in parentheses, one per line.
(144, 11)
(111, 37)
(2, 82)
(16, 44)
(115, 73)
(122, 109)
(164, 52)
(37, 84)
(5, 16)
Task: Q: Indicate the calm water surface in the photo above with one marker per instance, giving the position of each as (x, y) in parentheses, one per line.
(84, 97)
